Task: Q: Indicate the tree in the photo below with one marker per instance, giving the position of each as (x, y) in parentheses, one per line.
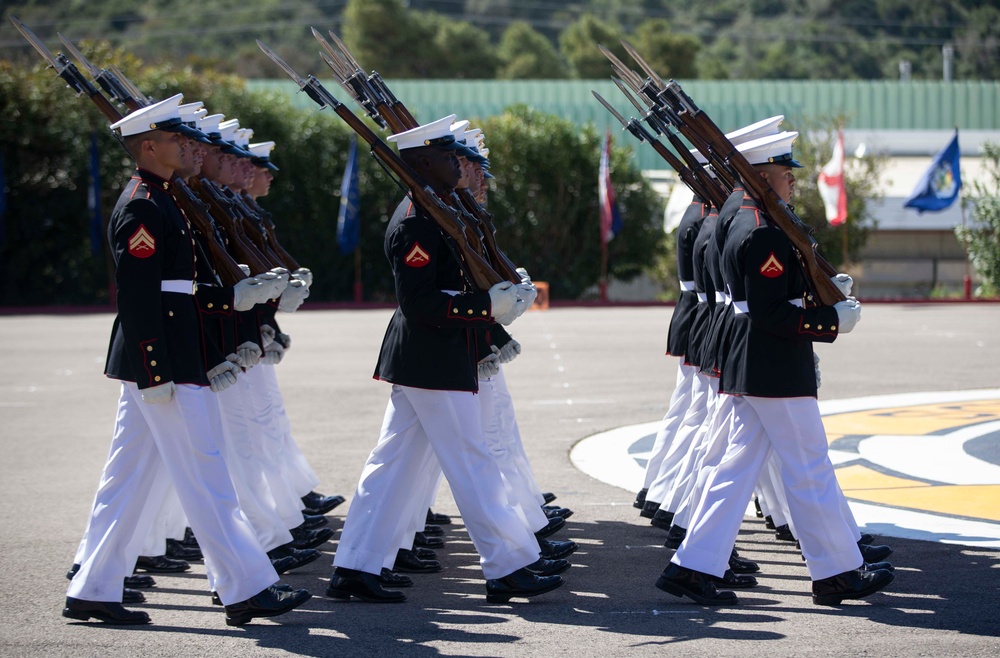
(387, 37)
(579, 42)
(545, 202)
(467, 51)
(671, 55)
(814, 148)
(982, 236)
(525, 54)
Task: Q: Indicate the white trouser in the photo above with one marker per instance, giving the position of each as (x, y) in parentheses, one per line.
(169, 523)
(154, 444)
(792, 427)
(294, 464)
(247, 470)
(682, 441)
(680, 400)
(269, 444)
(710, 445)
(413, 518)
(447, 423)
(773, 491)
(687, 473)
(504, 443)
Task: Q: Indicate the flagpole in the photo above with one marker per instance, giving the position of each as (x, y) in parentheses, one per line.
(358, 295)
(604, 269)
(967, 279)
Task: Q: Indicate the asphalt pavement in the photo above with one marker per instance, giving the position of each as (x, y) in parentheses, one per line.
(583, 371)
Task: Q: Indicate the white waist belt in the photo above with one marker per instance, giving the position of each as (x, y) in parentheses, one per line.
(687, 286)
(181, 286)
(702, 297)
(741, 307)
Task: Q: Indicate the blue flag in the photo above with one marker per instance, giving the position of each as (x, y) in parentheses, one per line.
(94, 198)
(348, 222)
(939, 186)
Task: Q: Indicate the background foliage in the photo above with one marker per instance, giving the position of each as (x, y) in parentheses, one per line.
(545, 203)
(982, 235)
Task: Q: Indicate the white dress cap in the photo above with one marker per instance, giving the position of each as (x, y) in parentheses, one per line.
(158, 116)
(747, 133)
(210, 123)
(435, 133)
(261, 149)
(772, 149)
(188, 111)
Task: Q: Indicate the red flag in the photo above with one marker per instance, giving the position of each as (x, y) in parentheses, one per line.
(831, 184)
(611, 219)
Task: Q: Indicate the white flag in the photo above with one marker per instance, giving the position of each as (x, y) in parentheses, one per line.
(831, 184)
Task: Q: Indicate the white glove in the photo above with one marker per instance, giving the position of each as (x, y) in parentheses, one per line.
(244, 268)
(249, 354)
(305, 274)
(844, 282)
(848, 314)
(293, 296)
(256, 290)
(267, 335)
(223, 375)
(523, 273)
(285, 340)
(520, 306)
(503, 297)
(273, 353)
(819, 378)
(529, 292)
(489, 366)
(159, 394)
(510, 351)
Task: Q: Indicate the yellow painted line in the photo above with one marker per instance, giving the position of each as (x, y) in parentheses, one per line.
(923, 419)
(858, 477)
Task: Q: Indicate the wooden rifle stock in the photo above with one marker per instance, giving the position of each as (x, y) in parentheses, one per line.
(197, 212)
(240, 248)
(268, 225)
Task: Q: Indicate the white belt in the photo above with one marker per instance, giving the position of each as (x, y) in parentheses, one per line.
(741, 307)
(727, 299)
(181, 286)
(702, 297)
(687, 286)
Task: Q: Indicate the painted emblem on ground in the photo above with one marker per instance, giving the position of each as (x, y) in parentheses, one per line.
(922, 465)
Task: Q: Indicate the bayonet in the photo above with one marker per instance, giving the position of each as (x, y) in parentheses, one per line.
(78, 56)
(33, 39)
(642, 62)
(284, 65)
(343, 49)
(624, 71)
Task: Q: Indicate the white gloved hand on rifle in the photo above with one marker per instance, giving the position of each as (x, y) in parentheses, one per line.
(293, 296)
(248, 354)
(819, 378)
(489, 366)
(844, 283)
(256, 290)
(223, 375)
(503, 297)
(267, 334)
(510, 351)
(848, 314)
(523, 273)
(273, 353)
(305, 275)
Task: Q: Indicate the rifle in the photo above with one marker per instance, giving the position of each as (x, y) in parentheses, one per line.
(265, 220)
(374, 96)
(242, 249)
(696, 125)
(478, 269)
(226, 267)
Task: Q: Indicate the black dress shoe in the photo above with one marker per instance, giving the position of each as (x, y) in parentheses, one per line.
(552, 512)
(757, 510)
(281, 587)
(433, 530)
(662, 519)
(675, 536)
(548, 497)
(178, 551)
(408, 562)
(425, 553)
(866, 538)
(741, 564)
(139, 581)
(640, 499)
(283, 564)
(392, 579)
(522, 584)
(303, 539)
(556, 550)
(551, 528)
(730, 580)
(311, 521)
(345, 583)
(695, 585)
(317, 504)
(132, 596)
(301, 557)
(783, 533)
(543, 567)
(422, 540)
(269, 602)
(189, 538)
(874, 553)
(110, 612)
(769, 522)
(854, 584)
(875, 566)
(436, 518)
(161, 564)
(648, 510)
